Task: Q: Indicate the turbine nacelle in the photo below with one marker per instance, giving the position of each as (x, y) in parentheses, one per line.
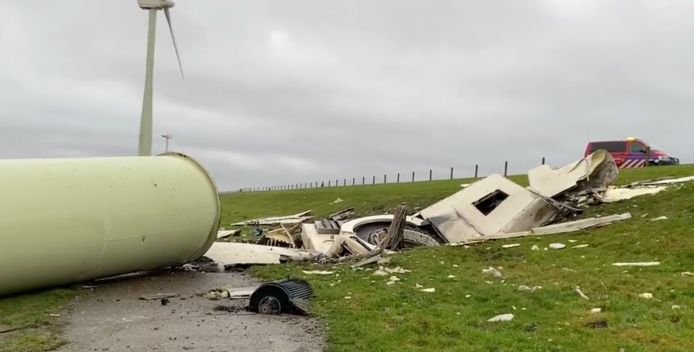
(155, 4)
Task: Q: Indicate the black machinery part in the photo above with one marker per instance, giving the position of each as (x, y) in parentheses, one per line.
(278, 297)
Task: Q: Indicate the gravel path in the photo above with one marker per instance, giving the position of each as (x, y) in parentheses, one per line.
(111, 317)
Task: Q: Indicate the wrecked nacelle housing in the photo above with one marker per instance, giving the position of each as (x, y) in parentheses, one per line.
(285, 296)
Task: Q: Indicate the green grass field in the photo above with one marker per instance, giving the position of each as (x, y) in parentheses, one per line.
(362, 313)
(378, 317)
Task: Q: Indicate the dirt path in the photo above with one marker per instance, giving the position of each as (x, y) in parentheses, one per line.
(111, 317)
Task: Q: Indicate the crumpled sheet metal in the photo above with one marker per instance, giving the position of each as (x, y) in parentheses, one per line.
(457, 218)
(596, 171)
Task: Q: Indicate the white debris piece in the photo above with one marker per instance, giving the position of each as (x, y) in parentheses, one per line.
(595, 171)
(687, 273)
(338, 200)
(580, 246)
(674, 306)
(428, 290)
(528, 288)
(615, 194)
(596, 310)
(392, 280)
(577, 225)
(492, 207)
(317, 272)
(581, 294)
(659, 218)
(396, 270)
(493, 272)
(669, 181)
(501, 317)
(557, 245)
(380, 272)
(637, 264)
(646, 295)
(535, 248)
(451, 276)
(511, 245)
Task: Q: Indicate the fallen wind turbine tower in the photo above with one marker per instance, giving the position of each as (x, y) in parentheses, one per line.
(145, 138)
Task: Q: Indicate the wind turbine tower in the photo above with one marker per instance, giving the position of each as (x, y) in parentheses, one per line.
(145, 138)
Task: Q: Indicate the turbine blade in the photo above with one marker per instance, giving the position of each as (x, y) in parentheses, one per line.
(178, 57)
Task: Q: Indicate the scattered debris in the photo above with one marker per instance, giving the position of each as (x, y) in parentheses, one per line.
(596, 310)
(580, 224)
(501, 317)
(646, 295)
(338, 200)
(492, 207)
(342, 214)
(157, 296)
(222, 233)
(280, 237)
(526, 288)
(616, 194)
(557, 246)
(277, 220)
(687, 273)
(230, 253)
(581, 245)
(394, 235)
(637, 264)
(493, 272)
(674, 306)
(597, 324)
(659, 218)
(284, 296)
(216, 294)
(380, 272)
(511, 245)
(535, 248)
(428, 290)
(392, 280)
(595, 171)
(581, 294)
(317, 272)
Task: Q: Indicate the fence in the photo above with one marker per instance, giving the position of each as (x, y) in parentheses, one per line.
(355, 181)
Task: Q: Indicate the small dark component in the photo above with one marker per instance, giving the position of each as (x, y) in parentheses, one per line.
(285, 296)
(164, 301)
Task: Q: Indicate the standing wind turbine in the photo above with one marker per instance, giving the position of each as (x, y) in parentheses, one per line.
(145, 140)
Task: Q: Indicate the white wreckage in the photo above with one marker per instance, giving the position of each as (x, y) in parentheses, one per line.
(492, 208)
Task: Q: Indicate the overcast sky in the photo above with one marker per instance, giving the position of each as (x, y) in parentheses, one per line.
(279, 92)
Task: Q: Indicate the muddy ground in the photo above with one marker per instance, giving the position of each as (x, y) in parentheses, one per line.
(111, 317)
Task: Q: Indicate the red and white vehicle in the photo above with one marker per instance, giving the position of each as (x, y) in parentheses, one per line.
(632, 152)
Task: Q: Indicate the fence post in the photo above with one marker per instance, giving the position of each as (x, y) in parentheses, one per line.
(477, 168)
(336, 182)
(353, 181)
(429, 174)
(329, 183)
(374, 180)
(505, 168)
(384, 179)
(398, 181)
(363, 180)
(451, 172)
(543, 160)
(344, 182)
(412, 176)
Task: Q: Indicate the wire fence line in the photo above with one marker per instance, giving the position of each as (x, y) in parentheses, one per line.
(364, 180)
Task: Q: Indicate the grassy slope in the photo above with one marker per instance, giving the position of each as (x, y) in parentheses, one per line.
(378, 317)
(33, 311)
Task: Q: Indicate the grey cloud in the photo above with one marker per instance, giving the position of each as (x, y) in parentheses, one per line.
(288, 92)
